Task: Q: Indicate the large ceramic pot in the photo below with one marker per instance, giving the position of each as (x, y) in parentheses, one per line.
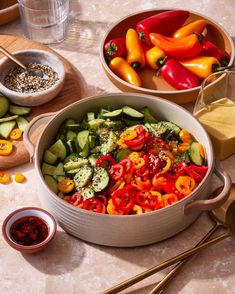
(128, 230)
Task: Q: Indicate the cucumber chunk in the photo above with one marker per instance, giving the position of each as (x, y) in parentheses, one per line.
(100, 179)
(9, 118)
(59, 149)
(4, 105)
(51, 170)
(6, 128)
(131, 113)
(74, 164)
(83, 138)
(148, 117)
(194, 153)
(82, 177)
(49, 157)
(22, 123)
(51, 183)
(19, 110)
(111, 143)
(87, 193)
(96, 123)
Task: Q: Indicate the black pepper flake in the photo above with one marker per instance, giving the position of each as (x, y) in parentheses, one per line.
(19, 80)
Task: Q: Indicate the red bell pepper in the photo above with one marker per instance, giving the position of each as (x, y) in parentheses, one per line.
(105, 161)
(165, 23)
(210, 49)
(178, 76)
(115, 48)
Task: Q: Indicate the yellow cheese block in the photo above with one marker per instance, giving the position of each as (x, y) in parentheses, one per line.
(218, 118)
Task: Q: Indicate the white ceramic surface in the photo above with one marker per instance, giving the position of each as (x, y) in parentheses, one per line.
(26, 57)
(123, 231)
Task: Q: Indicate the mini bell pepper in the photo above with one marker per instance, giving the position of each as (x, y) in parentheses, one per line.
(93, 204)
(145, 198)
(202, 66)
(76, 199)
(186, 47)
(210, 49)
(15, 134)
(185, 184)
(155, 57)
(125, 71)
(169, 199)
(115, 48)
(123, 199)
(6, 147)
(165, 23)
(185, 136)
(135, 51)
(178, 76)
(111, 209)
(116, 171)
(193, 27)
(105, 161)
(4, 177)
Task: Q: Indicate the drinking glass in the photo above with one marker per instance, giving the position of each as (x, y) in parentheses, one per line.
(215, 109)
(45, 21)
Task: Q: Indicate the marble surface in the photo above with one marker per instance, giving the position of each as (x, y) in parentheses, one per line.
(72, 266)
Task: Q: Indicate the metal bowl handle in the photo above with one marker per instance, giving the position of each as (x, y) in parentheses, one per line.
(210, 204)
(32, 126)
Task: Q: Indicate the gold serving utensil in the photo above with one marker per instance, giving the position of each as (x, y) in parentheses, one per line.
(31, 71)
(219, 216)
(229, 223)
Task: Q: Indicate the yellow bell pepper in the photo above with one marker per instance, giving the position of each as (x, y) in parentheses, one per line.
(15, 134)
(155, 57)
(202, 66)
(185, 184)
(4, 177)
(167, 165)
(193, 27)
(6, 147)
(66, 185)
(125, 71)
(135, 51)
(128, 135)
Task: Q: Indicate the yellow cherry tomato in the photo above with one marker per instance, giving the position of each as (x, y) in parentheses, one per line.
(185, 184)
(185, 136)
(66, 185)
(19, 178)
(15, 134)
(6, 147)
(4, 177)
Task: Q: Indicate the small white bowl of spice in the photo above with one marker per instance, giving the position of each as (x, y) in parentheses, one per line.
(25, 89)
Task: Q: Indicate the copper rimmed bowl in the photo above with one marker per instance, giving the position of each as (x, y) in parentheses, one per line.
(151, 83)
(127, 230)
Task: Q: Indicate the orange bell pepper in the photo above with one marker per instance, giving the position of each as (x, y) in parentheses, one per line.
(202, 66)
(194, 27)
(186, 47)
(135, 51)
(125, 71)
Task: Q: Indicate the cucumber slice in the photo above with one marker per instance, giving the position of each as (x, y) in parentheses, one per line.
(74, 164)
(73, 127)
(87, 193)
(111, 143)
(71, 157)
(4, 105)
(90, 116)
(101, 112)
(92, 159)
(19, 110)
(114, 125)
(70, 135)
(51, 183)
(96, 123)
(171, 126)
(48, 169)
(60, 169)
(82, 177)
(6, 128)
(114, 115)
(22, 123)
(83, 138)
(148, 117)
(59, 149)
(49, 157)
(92, 141)
(72, 146)
(194, 153)
(100, 179)
(9, 118)
(131, 113)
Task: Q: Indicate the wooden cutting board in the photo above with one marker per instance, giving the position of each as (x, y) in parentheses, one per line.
(70, 93)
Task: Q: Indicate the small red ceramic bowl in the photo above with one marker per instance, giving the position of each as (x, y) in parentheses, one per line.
(29, 229)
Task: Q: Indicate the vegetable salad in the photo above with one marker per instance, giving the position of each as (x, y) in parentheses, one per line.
(123, 161)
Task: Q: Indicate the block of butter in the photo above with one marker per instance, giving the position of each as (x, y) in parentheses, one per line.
(218, 118)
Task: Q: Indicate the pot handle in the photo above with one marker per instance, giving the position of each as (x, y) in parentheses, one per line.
(210, 204)
(32, 126)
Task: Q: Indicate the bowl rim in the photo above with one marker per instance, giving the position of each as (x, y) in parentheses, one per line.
(148, 90)
(9, 8)
(20, 247)
(37, 162)
(61, 79)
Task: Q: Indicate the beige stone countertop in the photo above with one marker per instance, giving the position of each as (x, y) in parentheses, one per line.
(71, 265)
